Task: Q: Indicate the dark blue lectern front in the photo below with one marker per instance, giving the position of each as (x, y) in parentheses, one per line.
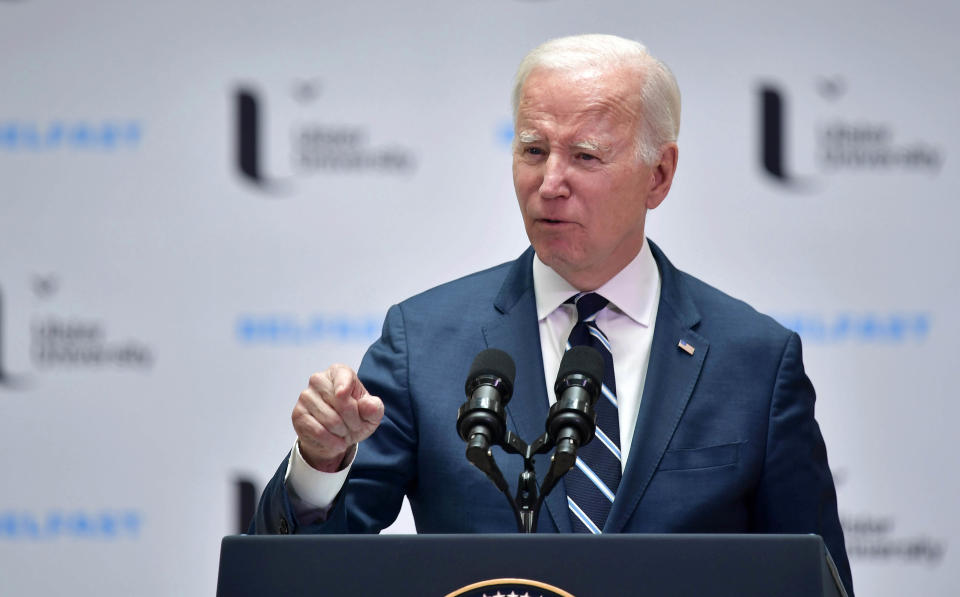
(579, 565)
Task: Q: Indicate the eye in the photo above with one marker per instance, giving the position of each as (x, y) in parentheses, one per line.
(533, 150)
(586, 157)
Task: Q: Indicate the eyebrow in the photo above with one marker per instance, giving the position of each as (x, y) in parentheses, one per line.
(528, 137)
(587, 144)
(590, 145)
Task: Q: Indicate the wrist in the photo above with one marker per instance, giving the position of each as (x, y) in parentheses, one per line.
(325, 464)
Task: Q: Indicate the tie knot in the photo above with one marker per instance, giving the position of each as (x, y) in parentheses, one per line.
(588, 304)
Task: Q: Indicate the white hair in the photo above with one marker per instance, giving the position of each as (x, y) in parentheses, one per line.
(659, 93)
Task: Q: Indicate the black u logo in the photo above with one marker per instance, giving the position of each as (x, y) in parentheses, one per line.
(773, 136)
(248, 128)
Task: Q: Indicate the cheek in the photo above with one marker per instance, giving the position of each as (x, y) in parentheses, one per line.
(524, 177)
(612, 211)
(523, 201)
(525, 184)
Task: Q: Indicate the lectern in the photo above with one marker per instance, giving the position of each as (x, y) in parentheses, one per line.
(538, 564)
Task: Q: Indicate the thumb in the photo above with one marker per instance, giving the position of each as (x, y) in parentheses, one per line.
(370, 409)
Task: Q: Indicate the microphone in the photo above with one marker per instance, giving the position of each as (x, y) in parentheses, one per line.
(572, 421)
(481, 421)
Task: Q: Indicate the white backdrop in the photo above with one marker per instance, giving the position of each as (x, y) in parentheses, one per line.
(163, 301)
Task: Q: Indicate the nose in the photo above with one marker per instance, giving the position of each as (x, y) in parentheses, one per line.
(554, 184)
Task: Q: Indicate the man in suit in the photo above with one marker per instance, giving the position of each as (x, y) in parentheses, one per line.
(709, 416)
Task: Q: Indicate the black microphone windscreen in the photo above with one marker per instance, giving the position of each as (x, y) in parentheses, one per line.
(493, 361)
(585, 360)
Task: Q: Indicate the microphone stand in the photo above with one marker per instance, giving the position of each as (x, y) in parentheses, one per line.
(529, 500)
(481, 422)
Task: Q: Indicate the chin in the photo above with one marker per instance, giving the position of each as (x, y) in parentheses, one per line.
(558, 260)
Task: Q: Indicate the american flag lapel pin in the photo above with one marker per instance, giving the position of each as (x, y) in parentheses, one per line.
(682, 345)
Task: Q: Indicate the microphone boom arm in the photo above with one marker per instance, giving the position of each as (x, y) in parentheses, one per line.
(481, 456)
(529, 500)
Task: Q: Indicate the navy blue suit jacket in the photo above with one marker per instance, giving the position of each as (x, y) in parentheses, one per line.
(725, 439)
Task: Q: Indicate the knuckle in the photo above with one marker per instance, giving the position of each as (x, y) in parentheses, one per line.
(298, 412)
(339, 428)
(330, 418)
(342, 372)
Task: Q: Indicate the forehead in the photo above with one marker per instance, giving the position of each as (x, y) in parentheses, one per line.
(579, 98)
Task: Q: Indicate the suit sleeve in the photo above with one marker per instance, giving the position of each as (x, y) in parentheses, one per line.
(796, 493)
(385, 466)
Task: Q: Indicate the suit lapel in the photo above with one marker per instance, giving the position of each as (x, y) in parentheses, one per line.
(672, 374)
(516, 331)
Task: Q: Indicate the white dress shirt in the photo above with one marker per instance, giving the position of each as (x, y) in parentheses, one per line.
(634, 294)
(628, 321)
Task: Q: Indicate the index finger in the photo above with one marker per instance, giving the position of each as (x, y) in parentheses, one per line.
(345, 383)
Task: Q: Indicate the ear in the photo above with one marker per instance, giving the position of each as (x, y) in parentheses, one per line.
(662, 175)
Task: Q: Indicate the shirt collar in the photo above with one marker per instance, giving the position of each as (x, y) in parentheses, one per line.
(633, 291)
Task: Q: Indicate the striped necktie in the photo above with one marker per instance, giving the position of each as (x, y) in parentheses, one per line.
(592, 483)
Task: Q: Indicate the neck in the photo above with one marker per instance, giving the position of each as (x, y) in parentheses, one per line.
(590, 279)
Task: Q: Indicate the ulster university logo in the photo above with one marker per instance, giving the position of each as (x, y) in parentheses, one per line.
(45, 339)
(842, 140)
(313, 147)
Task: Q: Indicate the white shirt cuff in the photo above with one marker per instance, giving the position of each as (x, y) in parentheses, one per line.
(312, 487)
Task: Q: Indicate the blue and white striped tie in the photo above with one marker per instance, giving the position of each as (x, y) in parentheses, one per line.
(592, 484)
